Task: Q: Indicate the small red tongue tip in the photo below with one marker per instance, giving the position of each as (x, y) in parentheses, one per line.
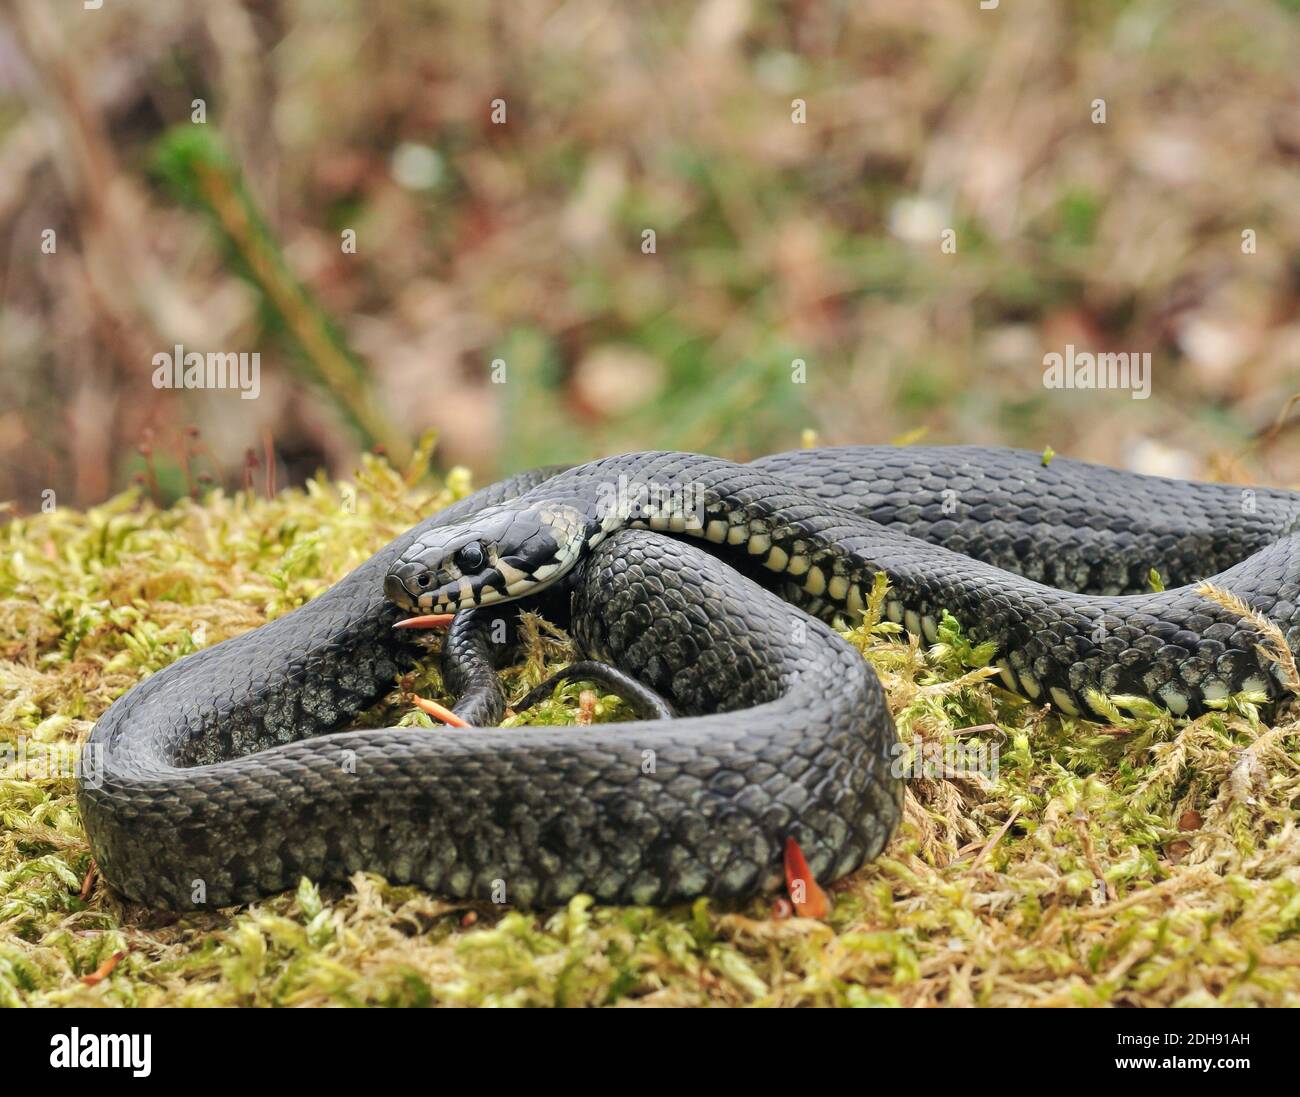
(429, 620)
(805, 894)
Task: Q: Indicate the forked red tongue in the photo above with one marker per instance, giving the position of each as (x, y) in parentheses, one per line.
(438, 712)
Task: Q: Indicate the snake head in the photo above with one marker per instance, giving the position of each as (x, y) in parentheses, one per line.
(498, 554)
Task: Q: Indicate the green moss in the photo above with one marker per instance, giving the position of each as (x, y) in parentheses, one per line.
(1151, 861)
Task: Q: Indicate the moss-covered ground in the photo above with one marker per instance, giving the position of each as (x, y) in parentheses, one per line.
(1153, 861)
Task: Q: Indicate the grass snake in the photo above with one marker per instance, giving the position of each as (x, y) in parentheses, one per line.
(225, 777)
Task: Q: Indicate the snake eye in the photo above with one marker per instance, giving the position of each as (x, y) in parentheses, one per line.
(470, 557)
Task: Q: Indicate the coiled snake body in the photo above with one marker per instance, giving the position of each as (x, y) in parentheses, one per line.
(223, 777)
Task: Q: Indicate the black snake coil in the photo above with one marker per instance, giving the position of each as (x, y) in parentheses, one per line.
(223, 777)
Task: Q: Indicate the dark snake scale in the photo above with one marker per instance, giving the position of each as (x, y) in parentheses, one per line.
(224, 777)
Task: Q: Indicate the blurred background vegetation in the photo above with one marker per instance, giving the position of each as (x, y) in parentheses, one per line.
(522, 242)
